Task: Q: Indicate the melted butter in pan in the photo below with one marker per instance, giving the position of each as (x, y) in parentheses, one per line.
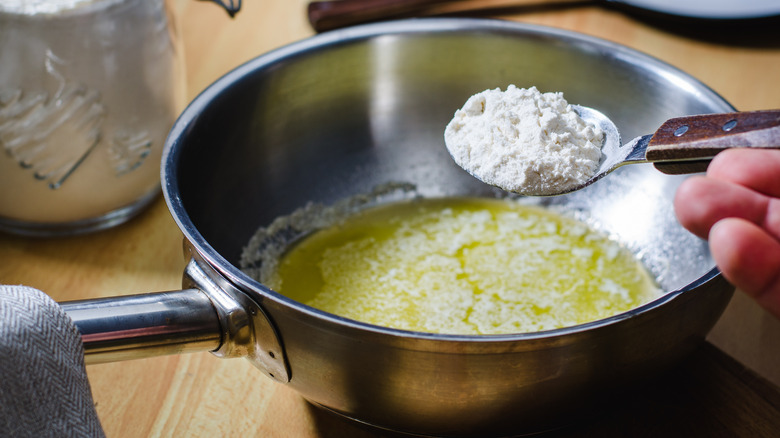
(463, 266)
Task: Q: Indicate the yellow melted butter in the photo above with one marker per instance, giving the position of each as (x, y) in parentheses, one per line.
(463, 266)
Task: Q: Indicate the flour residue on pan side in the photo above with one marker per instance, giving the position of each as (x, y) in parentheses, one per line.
(260, 257)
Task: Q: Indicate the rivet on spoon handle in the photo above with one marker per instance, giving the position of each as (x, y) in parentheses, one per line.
(687, 144)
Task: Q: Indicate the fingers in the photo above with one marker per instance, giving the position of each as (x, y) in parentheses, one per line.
(736, 207)
(756, 169)
(750, 259)
(700, 202)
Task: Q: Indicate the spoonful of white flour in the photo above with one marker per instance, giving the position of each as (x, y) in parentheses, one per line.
(524, 141)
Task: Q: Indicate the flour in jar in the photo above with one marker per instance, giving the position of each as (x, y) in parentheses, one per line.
(524, 141)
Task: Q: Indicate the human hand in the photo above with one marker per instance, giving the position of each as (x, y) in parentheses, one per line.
(736, 206)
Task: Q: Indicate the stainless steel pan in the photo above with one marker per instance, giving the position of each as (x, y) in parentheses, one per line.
(332, 116)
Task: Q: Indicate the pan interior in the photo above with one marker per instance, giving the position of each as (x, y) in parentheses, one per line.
(340, 116)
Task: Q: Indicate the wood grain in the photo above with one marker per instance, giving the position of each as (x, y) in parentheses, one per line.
(703, 136)
(687, 144)
(199, 395)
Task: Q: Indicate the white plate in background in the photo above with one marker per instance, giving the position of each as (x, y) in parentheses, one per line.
(710, 9)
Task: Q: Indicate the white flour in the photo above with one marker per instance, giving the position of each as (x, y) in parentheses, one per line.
(524, 141)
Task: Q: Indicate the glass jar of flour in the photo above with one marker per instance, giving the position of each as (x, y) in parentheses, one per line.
(88, 92)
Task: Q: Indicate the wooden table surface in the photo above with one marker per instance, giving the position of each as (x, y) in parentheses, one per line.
(203, 396)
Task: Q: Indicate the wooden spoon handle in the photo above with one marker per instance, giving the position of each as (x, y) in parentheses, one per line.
(333, 14)
(687, 144)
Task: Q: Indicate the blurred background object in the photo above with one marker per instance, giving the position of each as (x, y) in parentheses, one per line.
(83, 115)
(696, 14)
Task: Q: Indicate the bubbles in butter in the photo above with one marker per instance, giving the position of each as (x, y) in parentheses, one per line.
(463, 266)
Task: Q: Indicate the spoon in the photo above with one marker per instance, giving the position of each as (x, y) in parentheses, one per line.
(684, 144)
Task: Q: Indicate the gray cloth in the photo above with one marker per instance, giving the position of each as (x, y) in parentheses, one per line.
(44, 391)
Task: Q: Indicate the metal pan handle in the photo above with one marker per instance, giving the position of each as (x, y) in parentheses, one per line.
(146, 325)
(211, 315)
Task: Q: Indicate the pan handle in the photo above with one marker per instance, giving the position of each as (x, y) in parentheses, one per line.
(145, 325)
(211, 315)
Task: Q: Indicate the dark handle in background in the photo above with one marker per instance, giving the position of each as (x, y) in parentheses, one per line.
(333, 14)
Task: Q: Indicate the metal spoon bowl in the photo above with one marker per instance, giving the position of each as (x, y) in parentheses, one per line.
(613, 152)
